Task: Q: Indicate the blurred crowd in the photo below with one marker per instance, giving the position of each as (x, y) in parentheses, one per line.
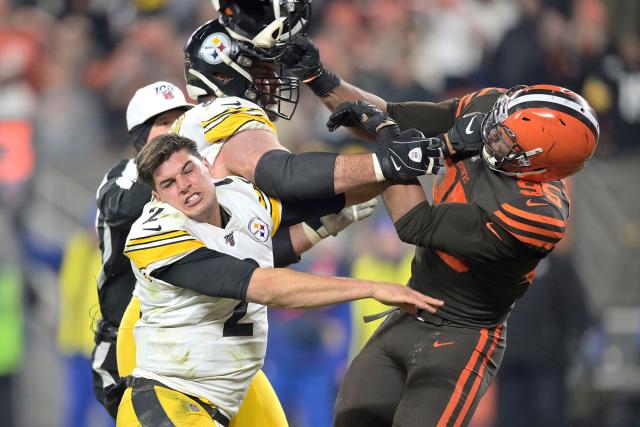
(69, 67)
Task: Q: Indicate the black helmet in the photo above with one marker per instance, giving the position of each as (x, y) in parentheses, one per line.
(215, 64)
(264, 23)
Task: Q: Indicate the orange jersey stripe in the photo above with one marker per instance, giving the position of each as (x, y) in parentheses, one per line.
(453, 262)
(462, 379)
(440, 190)
(478, 380)
(535, 242)
(461, 104)
(525, 227)
(534, 217)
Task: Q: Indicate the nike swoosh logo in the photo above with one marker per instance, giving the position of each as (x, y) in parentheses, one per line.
(468, 130)
(395, 165)
(158, 228)
(438, 344)
(532, 203)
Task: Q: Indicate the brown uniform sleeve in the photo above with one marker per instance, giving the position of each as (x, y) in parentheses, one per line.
(430, 118)
(462, 230)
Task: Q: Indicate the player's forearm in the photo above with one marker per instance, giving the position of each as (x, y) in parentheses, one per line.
(299, 239)
(352, 172)
(348, 92)
(400, 197)
(286, 288)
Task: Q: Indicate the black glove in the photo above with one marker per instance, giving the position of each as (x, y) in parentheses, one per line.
(301, 58)
(409, 155)
(464, 139)
(363, 114)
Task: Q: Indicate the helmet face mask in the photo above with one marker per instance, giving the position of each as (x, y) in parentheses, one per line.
(263, 24)
(217, 65)
(539, 133)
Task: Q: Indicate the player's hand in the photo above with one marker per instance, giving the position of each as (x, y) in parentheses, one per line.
(409, 155)
(363, 114)
(302, 58)
(332, 224)
(464, 139)
(405, 297)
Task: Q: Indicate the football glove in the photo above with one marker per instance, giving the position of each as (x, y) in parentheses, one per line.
(410, 155)
(464, 139)
(301, 58)
(363, 114)
(332, 224)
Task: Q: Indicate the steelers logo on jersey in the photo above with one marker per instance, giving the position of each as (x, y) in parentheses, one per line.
(259, 229)
(214, 47)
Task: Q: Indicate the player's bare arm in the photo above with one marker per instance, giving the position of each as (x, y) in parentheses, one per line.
(292, 289)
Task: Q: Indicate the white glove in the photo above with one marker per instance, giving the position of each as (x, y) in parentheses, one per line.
(332, 224)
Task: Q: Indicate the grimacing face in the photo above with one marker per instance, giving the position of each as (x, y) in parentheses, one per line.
(184, 182)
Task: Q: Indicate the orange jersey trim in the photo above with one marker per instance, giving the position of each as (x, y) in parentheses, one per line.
(532, 241)
(525, 227)
(456, 263)
(534, 217)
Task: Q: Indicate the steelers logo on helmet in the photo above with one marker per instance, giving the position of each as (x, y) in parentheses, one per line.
(215, 48)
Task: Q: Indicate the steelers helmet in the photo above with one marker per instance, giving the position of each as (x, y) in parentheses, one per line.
(264, 23)
(539, 133)
(216, 64)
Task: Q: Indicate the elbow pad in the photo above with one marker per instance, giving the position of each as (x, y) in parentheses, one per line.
(296, 177)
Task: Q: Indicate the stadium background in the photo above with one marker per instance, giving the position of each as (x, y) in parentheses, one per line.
(69, 67)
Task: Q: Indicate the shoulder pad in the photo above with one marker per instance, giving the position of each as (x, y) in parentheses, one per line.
(159, 236)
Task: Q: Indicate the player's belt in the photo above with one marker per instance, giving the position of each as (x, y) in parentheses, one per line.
(421, 315)
(138, 382)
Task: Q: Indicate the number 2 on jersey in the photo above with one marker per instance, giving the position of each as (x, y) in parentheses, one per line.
(234, 329)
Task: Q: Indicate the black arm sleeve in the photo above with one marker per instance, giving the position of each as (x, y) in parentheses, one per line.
(121, 197)
(296, 212)
(461, 230)
(283, 253)
(428, 117)
(296, 177)
(211, 273)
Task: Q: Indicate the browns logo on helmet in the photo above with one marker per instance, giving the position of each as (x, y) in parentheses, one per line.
(539, 133)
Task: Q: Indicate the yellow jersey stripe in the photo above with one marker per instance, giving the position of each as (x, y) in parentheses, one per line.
(231, 124)
(157, 237)
(143, 257)
(229, 111)
(276, 214)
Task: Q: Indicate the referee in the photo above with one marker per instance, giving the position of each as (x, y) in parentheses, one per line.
(120, 200)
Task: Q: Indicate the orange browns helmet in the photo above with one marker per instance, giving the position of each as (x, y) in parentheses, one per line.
(539, 133)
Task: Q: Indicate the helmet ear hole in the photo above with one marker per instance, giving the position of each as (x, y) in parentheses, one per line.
(562, 121)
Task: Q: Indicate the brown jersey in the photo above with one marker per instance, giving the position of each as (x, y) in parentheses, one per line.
(480, 241)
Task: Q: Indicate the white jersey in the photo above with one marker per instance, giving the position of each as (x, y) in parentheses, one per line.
(182, 338)
(211, 123)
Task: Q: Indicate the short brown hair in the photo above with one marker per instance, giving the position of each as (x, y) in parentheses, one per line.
(158, 151)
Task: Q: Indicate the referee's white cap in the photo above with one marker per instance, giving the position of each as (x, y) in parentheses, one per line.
(154, 99)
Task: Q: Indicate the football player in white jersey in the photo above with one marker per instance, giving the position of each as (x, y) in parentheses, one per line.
(238, 95)
(203, 254)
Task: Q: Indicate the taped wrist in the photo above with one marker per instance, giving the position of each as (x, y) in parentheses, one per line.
(312, 234)
(296, 177)
(323, 83)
